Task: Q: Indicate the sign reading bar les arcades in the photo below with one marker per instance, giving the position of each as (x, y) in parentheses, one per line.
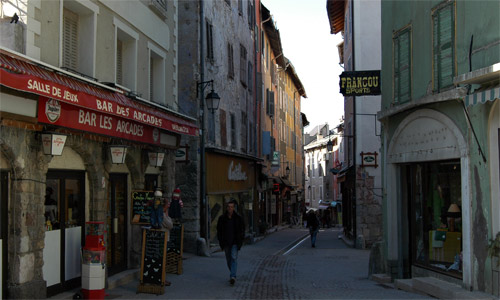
(62, 114)
(120, 107)
(360, 83)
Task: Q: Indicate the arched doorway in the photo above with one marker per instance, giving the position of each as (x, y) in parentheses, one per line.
(427, 176)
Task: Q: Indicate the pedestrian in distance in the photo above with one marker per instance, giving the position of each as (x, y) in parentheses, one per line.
(231, 232)
(313, 224)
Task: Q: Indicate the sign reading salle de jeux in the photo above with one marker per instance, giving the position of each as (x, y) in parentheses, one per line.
(360, 83)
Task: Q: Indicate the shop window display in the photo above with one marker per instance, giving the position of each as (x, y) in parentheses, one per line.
(435, 205)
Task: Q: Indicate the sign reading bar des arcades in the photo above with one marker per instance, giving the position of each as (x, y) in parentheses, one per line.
(360, 83)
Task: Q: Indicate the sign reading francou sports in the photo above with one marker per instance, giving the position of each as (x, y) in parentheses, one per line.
(360, 83)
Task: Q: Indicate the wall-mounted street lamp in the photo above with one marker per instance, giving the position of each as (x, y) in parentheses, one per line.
(212, 100)
(329, 146)
(53, 143)
(118, 153)
(287, 171)
(156, 158)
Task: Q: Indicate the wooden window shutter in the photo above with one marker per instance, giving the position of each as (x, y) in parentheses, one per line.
(223, 128)
(268, 102)
(70, 39)
(232, 123)
(230, 62)
(443, 30)
(119, 62)
(271, 107)
(402, 67)
(210, 46)
(250, 76)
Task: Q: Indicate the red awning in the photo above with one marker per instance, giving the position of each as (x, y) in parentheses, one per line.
(23, 75)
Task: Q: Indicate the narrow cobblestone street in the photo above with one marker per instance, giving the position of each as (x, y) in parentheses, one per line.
(281, 266)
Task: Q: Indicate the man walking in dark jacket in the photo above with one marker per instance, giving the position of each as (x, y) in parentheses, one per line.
(313, 224)
(231, 232)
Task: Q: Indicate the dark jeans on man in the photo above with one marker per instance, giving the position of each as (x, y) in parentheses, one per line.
(232, 259)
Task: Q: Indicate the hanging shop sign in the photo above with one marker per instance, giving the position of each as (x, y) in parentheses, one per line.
(59, 113)
(360, 83)
(369, 159)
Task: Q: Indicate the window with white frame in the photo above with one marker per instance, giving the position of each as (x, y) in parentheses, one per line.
(126, 55)
(156, 74)
(78, 37)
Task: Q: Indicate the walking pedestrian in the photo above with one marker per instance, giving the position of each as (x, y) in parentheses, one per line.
(231, 232)
(313, 224)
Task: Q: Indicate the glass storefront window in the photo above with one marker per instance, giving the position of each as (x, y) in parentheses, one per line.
(435, 205)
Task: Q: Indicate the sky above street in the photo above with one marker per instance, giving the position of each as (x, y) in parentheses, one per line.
(306, 40)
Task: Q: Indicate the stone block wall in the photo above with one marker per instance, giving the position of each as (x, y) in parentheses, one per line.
(368, 209)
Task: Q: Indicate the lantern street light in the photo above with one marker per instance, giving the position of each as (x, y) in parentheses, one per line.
(213, 101)
(53, 143)
(118, 153)
(156, 158)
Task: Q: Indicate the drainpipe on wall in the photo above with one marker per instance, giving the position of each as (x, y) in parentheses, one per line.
(203, 199)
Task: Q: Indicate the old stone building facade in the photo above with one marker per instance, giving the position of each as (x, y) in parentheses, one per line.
(92, 75)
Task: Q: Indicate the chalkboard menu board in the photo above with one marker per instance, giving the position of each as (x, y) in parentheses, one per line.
(154, 247)
(175, 247)
(141, 209)
(175, 242)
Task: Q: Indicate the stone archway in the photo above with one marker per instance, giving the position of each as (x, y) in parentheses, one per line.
(427, 135)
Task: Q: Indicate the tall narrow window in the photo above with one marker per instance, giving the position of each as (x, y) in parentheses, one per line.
(270, 103)
(230, 61)
(119, 62)
(156, 74)
(70, 40)
(232, 121)
(243, 65)
(244, 136)
(126, 55)
(210, 45)
(402, 65)
(223, 127)
(251, 15)
(78, 37)
(240, 7)
(443, 46)
(250, 76)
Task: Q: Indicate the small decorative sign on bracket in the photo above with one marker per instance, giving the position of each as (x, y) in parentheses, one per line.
(369, 159)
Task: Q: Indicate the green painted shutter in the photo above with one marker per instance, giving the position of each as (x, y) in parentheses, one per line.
(405, 68)
(443, 46)
(402, 67)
